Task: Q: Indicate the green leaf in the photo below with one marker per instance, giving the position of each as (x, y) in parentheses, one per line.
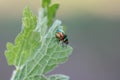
(58, 77)
(51, 13)
(26, 42)
(36, 50)
(49, 10)
(45, 3)
(47, 57)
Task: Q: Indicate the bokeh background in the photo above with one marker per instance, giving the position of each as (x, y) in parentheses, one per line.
(93, 27)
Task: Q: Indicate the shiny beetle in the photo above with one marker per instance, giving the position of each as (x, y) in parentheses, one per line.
(61, 36)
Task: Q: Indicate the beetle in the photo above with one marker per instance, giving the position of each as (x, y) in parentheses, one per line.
(61, 36)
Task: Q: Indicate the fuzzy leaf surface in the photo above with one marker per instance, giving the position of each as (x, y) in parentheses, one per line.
(36, 50)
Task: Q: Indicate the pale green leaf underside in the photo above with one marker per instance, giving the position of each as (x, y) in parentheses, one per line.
(58, 77)
(36, 50)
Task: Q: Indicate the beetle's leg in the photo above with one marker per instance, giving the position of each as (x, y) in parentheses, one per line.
(63, 44)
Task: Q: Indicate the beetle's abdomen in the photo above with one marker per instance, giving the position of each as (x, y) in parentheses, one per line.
(60, 36)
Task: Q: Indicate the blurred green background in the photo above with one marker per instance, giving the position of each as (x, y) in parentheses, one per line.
(93, 28)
